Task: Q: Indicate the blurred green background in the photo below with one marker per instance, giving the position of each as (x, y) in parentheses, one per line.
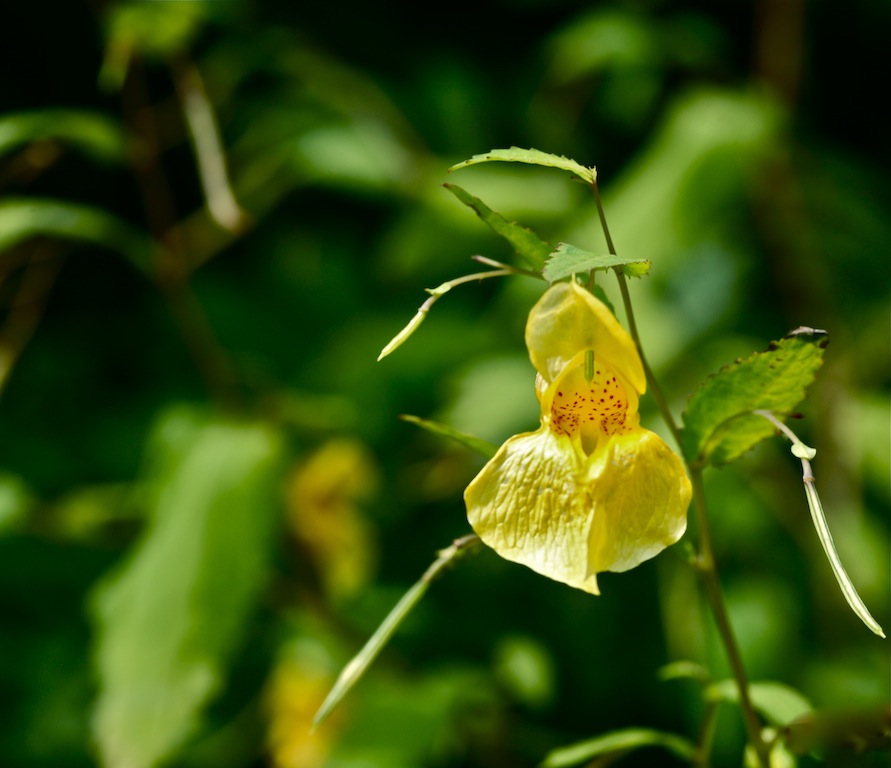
(207, 499)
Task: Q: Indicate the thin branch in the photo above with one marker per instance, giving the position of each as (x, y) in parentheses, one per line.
(26, 308)
(171, 278)
(357, 667)
(208, 147)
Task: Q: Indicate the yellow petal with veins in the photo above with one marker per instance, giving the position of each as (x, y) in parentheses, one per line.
(526, 505)
(639, 500)
(568, 319)
(542, 503)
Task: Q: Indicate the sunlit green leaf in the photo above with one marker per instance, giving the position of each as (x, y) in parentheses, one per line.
(24, 218)
(531, 157)
(618, 742)
(568, 260)
(147, 29)
(93, 133)
(168, 620)
(528, 245)
(719, 423)
(482, 447)
(779, 703)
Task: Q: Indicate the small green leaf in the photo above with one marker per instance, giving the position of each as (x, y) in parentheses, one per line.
(719, 423)
(482, 447)
(168, 620)
(435, 293)
(531, 157)
(23, 218)
(779, 703)
(684, 670)
(90, 132)
(568, 260)
(353, 672)
(527, 244)
(619, 742)
(151, 30)
(400, 338)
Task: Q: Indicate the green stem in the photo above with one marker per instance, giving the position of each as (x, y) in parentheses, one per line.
(656, 390)
(353, 671)
(707, 567)
(706, 735)
(706, 561)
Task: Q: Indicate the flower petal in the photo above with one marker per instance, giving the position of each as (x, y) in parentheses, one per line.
(540, 502)
(639, 497)
(567, 319)
(527, 506)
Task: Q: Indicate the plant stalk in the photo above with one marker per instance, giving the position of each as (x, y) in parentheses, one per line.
(706, 561)
(707, 568)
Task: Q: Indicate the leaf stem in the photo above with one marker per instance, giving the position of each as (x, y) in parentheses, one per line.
(658, 395)
(706, 561)
(353, 671)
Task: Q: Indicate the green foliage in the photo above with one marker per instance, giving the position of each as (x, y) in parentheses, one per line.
(568, 260)
(482, 447)
(529, 247)
(719, 423)
(759, 206)
(531, 157)
(22, 219)
(93, 133)
(779, 703)
(618, 743)
(169, 620)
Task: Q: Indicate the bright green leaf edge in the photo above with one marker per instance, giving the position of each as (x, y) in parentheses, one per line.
(24, 218)
(619, 741)
(779, 703)
(92, 133)
(482, 447)
(719, 423)
(568, 260)
(528, 245)
(531, 157)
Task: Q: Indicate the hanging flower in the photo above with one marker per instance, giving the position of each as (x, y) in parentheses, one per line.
(590, 490)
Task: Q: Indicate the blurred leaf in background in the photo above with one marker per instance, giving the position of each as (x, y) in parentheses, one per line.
(168, 621)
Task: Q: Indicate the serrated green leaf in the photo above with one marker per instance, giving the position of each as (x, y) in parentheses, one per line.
(568, 260)
(619, 742)
(23, 218)
(527, 244)
(719, 425)
(168, 620)
(778, 703)
(531, 157)
(89, 132)
(482, 447)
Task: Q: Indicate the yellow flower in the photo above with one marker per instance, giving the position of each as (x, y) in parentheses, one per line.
(590, 490)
